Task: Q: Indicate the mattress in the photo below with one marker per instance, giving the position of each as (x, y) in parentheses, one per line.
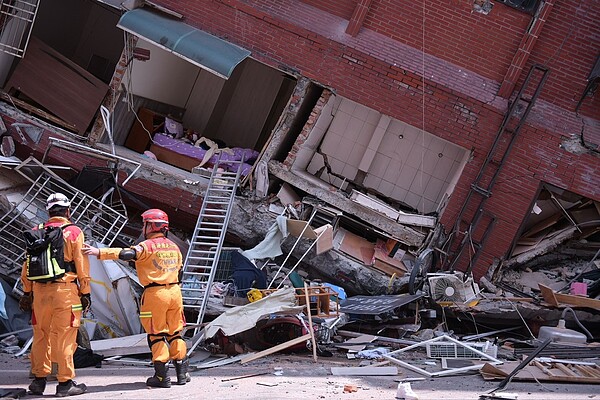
(186, 149)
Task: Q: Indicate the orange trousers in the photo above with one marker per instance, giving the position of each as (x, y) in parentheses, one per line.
(162, 317)
(55, 316)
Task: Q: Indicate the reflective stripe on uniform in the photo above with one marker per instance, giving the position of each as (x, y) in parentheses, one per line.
(146, 314)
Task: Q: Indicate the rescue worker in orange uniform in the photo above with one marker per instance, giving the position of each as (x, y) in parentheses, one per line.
(158, 263)
(57, 306)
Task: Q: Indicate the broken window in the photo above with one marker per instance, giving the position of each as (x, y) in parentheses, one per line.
(16, 23)
(71, 55)
(189, 116)
(529, 6)
(562, 228)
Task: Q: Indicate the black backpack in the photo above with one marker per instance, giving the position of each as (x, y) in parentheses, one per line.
(45, 260)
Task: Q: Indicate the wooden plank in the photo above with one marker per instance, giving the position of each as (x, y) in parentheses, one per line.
(532, 372)
(275, 349)
(540, 226)
(36, 111)
(548, 295)
(364, 371)
(356, 247)
(310, 324)
(578, 301)
(590, 371)
(543, 368)
(566, 370)
(387, 269)
(374, 204)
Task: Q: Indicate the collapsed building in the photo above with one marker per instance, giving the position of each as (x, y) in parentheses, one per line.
(425, 146)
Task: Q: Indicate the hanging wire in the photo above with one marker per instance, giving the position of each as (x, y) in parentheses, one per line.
(128, 50)
(421, 172)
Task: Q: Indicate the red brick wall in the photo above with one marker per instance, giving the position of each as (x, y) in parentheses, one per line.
(279, 37)
(452, 31)
(341, 8)
(486, 43)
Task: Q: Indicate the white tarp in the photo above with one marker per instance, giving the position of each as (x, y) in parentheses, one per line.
(115, 311)
(240, 319)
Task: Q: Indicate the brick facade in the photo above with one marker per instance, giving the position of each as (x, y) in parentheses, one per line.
(467, 57)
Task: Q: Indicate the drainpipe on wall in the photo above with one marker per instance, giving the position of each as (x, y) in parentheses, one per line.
(525, 48)
(358, 17)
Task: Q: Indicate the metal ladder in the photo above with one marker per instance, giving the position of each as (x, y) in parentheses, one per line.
(474, 221)
(203, 255)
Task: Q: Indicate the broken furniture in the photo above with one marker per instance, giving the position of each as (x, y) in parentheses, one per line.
(140, 135)
(186, 155)
(321, 299)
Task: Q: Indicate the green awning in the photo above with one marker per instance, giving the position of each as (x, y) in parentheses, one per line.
(198, 47)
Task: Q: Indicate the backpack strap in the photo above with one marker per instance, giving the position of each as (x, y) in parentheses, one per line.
(69, 265)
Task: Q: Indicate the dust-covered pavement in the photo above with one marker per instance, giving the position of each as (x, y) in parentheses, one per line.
(298, 378)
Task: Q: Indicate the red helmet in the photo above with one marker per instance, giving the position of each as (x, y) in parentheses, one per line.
(157, 220)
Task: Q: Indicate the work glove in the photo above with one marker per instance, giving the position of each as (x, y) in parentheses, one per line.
(26, 301)
(86, 302)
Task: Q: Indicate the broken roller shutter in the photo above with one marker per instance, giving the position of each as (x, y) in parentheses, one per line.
(196, 46)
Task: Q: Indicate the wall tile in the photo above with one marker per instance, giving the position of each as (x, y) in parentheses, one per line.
(372, 181)
(379, 165)
(434, 186)
(393, 170)
(356, 155)
(406, 176)
(331, 143)
(415, 157)
(386, 188)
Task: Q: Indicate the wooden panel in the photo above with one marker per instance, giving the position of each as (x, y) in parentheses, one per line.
(58, 85)
(173, 158)
(356, 247)
(576, 301)
(139, 136)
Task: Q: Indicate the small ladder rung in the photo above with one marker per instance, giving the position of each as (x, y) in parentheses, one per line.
(222, 210)
(200, 258)
(195, 274)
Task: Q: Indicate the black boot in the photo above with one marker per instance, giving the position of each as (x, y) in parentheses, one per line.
(181, 367)
(160, 378)
(37, 386)
(70, 388)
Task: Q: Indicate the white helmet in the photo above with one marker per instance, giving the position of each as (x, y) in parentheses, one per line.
(57, 199)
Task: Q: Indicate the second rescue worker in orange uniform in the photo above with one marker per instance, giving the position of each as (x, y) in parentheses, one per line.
(158, 263)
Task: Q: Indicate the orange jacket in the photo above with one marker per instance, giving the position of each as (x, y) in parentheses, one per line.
(158, 260)
(73, 237)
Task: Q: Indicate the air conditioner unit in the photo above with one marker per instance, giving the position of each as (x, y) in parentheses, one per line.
(448, 288)
(441, 349)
